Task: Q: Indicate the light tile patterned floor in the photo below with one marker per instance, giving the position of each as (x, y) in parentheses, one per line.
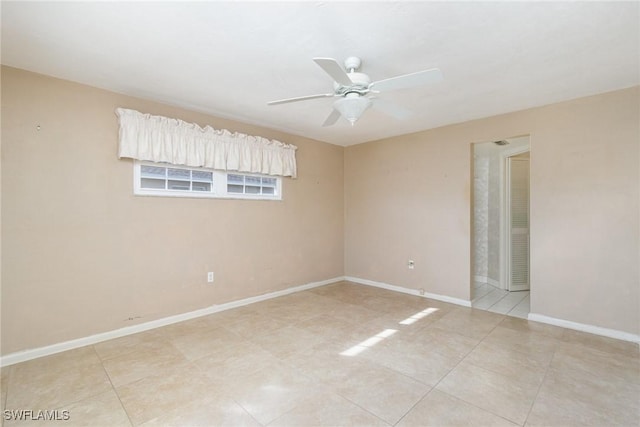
(490, 298)
(341, 354)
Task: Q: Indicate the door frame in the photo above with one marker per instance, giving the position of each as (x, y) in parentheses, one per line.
(505, 230)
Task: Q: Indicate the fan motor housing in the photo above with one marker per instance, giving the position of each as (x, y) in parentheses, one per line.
(360, 84)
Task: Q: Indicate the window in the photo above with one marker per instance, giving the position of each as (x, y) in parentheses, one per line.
(175, 179)
(248, 184)
(156, 179)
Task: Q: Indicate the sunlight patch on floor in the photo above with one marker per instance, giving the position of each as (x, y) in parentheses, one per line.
(369, 342)
(413, 319)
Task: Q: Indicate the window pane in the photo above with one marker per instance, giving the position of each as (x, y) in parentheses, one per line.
(202, 176)
(152, 171)
(176, 180)
(178, 185)
(232, 188)
(201, 186)
(152, 183)
(180, 174)
(252, 180)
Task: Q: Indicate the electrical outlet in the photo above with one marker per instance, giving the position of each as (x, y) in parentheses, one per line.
(411, 264)
(422, 291)
(210, 277)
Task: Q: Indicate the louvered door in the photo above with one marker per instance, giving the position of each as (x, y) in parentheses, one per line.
(518, 223)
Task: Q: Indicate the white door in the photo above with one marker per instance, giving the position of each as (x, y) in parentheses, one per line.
(518, 217)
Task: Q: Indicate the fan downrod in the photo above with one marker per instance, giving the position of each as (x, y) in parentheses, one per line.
(352, 63)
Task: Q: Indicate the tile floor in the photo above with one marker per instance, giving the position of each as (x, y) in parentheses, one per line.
(489, 298)
(341, 354)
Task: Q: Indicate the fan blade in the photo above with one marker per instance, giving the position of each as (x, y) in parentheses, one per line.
(331, 118)
(391, 109)
(331, 67)
(300, 98)
(405, 81)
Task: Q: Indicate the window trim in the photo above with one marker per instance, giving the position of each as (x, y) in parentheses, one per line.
(218, 187)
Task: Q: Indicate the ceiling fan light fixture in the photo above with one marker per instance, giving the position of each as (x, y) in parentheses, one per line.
(351, 88)
(352, 106)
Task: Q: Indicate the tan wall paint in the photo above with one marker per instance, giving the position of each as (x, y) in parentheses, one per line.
(79, 256)
(409, 197)
(82, 254)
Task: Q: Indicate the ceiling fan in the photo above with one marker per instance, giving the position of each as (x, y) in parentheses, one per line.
(353, 90)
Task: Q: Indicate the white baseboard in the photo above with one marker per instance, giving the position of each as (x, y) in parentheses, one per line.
(23, 356)
(409, 291)
(596, 330)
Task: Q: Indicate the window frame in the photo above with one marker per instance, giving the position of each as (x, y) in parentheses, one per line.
(260, 185)
(218, 186)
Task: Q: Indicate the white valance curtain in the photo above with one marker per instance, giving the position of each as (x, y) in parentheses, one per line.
(162, 139)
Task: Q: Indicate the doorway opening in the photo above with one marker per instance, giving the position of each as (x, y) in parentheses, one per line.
(500, 226)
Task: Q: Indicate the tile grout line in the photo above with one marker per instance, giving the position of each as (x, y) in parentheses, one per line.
(365, 409)
(413, 379)
(449, 372)
(503, 298)
(90, 396)
(332, 390)
(416, 404)
(479, 297)
(454, 367)
(544, 378)
(354, 403)
(232, 398)
(6, 397)
(359, 406)
(115, 391)
(488, 309)
(478, 407)
(250, 414)
(518, 305)
(368, 411)
(487, 295)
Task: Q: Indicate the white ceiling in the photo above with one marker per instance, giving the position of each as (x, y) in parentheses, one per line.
(229, 58)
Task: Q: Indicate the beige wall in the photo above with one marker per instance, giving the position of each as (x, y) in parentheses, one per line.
(81, 254)
(409, 197)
